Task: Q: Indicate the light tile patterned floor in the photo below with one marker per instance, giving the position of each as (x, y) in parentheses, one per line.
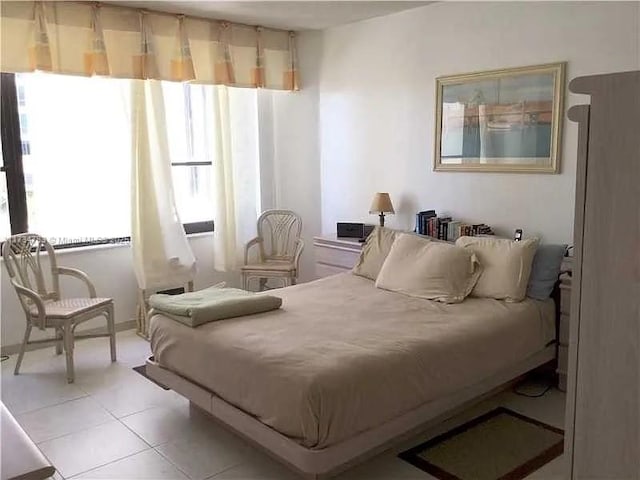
(114, 424)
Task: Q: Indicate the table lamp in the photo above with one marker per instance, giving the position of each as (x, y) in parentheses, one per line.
(381, 204)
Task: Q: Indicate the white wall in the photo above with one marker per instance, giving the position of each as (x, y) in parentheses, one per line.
(290, 162)
(377, 107)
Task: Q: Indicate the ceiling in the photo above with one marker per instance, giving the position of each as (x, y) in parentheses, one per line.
(300, 15)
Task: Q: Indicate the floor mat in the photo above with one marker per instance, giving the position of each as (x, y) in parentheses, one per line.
(500, 445)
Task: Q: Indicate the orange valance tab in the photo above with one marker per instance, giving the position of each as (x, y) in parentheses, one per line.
(88, 38)
(182, 64)
(290, 77)
(257, 74)
(39, 49)
(224, 68)
(96, 61)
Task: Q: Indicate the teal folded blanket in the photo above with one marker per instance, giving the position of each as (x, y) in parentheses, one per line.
(211, 304)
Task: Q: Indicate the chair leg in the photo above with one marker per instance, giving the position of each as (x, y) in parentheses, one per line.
(23, 347)
(68, 350)
(59, 341)
(263, 284)
(111, 324)
(294, 280)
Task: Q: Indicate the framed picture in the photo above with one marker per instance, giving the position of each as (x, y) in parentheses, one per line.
(501, 120)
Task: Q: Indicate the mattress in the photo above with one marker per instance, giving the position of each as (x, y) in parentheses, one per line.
(342, 356)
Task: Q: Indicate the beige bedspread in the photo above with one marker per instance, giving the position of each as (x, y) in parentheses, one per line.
(342, 356)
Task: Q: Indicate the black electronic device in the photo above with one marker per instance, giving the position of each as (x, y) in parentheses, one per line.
(354, 230)
(518, 235)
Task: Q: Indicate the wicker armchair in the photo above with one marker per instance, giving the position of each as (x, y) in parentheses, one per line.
(279, 249)
(43, 307)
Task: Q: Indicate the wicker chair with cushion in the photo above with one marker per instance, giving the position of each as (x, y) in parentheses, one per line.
(38, 290)
(279, 248)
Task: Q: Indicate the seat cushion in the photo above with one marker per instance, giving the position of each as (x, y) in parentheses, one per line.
(70, 307)
(271, 266)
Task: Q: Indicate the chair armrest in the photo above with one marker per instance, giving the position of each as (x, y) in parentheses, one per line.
(35, 298)
(299, 248)
(74, 272)
(247, 247)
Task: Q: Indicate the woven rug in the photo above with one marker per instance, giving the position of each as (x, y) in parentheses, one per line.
(500, 445)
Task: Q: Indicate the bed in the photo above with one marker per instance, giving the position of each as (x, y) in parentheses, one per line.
(345, 368)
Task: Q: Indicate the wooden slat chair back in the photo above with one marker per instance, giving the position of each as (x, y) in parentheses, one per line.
(280, 231)
(279, 248)
(28, 267)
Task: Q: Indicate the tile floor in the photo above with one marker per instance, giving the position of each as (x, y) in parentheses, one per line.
(114, 424)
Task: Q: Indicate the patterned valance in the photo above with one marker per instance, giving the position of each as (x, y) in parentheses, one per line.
(87, 38)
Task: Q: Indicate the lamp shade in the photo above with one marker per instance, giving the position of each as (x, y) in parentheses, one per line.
(381, 203)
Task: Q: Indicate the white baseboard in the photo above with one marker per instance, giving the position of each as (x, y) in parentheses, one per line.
(13, 349)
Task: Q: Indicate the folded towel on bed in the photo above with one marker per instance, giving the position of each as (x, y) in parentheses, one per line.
(211, 304)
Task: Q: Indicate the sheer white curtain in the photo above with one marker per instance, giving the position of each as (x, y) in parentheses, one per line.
(236, 174)
(162, 255)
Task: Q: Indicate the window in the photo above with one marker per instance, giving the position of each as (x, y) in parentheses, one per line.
(70, 157)
(20, 93)
(5, 229)
(78, 160)
(13, 216)
(191, 151)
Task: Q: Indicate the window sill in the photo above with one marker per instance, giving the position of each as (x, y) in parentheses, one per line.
(109, 246)
(90, 248)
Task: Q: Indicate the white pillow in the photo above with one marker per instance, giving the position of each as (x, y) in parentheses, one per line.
(506, 266)
(374, 252)
(436, 271)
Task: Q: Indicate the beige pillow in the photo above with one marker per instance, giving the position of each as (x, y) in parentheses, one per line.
(374, 252)
(436, 271)
(506, 266)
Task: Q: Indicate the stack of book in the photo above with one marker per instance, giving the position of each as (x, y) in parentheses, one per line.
(445, 228)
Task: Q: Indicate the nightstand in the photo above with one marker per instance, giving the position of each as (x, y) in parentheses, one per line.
(565, 321)
(335, 255)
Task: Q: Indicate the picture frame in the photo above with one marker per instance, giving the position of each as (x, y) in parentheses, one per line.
(507, 120)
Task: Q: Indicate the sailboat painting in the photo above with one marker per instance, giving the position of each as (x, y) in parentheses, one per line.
(501, 120)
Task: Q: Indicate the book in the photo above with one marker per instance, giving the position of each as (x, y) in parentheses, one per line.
(433, 226)
(422, 219)
(452, 233)
(443, 222)
(446, 228)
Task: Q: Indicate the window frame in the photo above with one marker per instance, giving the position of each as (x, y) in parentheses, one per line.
(12, 154)
(12, 167)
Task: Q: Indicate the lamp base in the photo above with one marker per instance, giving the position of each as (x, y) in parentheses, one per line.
(381, 219)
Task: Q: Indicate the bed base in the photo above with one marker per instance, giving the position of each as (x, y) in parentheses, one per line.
(330, 461)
